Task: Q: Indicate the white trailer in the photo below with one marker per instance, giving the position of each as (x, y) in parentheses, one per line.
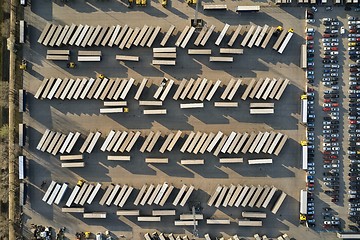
(86, 194)
(106, 194)
(97, 215)
(153, 141)
(250, 223)
(140, 195)
(243, 193)
(278, 203)
(179, 195)
(82, 35)
(167, 35)
(214, 141)
(93, 142)
(21, 31)
(187, 142)
(166, 196)
(235, 195)
(199, 51)
(121, 35)
(49, 191)
(153, 36)
(254, 37)
(54, 194)
(286, 42)
(228, 142)
(262, 111)
(269, 197)
(44, 33)
(147, 194)
(93, 194)
(154, 194)
(141, 35)
(69, 34)
(255, 142)
(262, 197)
(221, 196)
(94, 35)
(260, 161)
(166, 142)
(174, 140)
(207, 35)
(72, 142)
(262, 35)
(187, 195)
(66, 143)
(248, 196)
(140, 89)
(187, 38)
(248, 35)
(147, 36)
(234, 36)
(72, 196)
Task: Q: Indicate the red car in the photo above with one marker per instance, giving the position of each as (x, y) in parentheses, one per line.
(310, 184)
(352, 31)
(358, 39)
(327, 161)
(326, 109)
(327, 100)
(353, 70)
(327, 152)
(310, 46)
(335, 105)
(334, 139)
(326, 35)
(352, 121)
(334, 48)
(333, 156)
(309, 37)
(310, 90)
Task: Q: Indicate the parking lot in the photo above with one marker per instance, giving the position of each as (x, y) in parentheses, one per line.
(83, 116)
(331, 107)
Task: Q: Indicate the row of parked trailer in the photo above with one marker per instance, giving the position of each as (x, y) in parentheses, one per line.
(125, 36)
(199, 89)
(85, 35)
(199, 142)
(171, 236)
(118, 195)
(246, 196)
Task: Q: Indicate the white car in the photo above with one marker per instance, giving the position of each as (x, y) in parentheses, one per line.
(310, 20)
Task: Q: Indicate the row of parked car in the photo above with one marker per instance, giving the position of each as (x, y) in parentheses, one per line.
(310, 181)
(354, 119)
(330, 125)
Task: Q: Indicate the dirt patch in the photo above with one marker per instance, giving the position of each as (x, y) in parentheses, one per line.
(4, 88)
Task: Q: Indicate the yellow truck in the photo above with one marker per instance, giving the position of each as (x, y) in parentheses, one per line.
(191, 2)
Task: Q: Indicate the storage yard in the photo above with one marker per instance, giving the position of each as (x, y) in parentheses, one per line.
(137, 124)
